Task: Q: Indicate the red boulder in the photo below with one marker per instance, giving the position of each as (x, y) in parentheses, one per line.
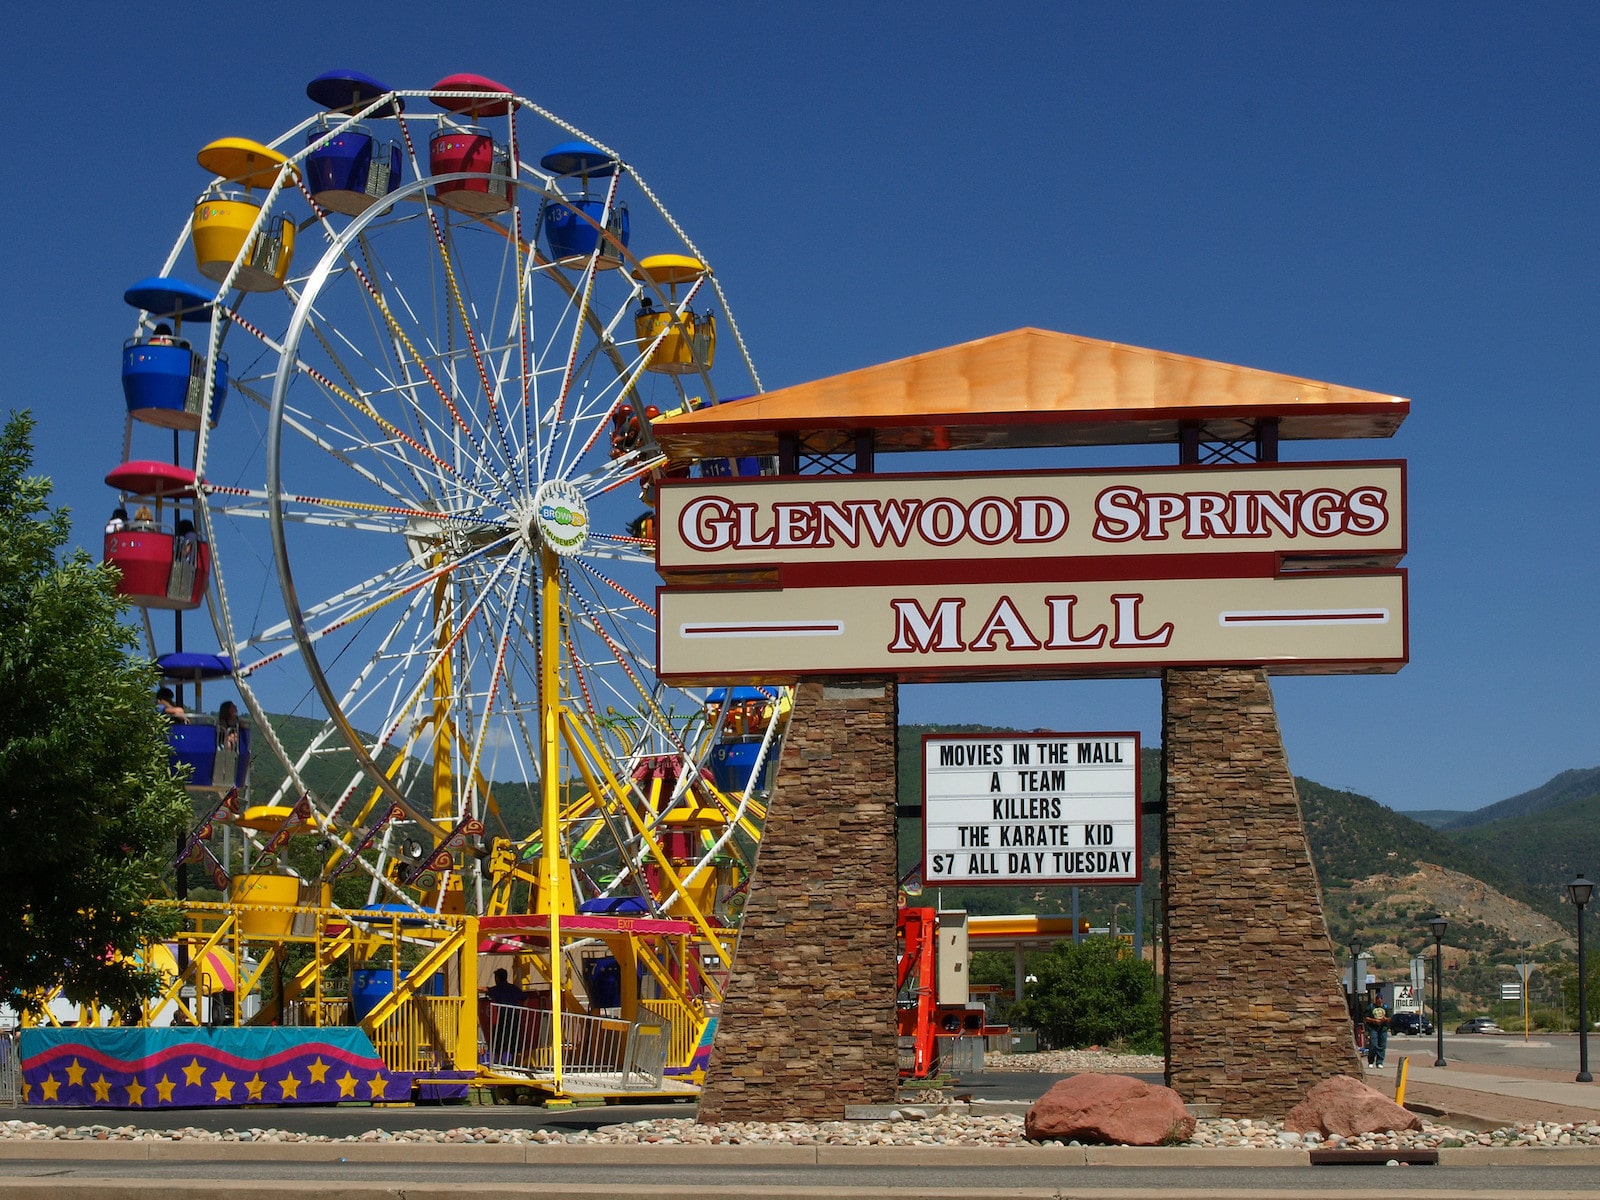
(1347, 1107)
(1117, 1109)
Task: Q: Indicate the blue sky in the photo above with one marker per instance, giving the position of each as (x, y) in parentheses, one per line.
(1397, 198)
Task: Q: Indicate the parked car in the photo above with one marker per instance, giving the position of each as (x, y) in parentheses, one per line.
(1479, 1025)
(1410, 1022)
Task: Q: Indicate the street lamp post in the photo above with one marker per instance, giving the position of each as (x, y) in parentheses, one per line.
(1579, 891)
(1352, 999)
(1438, 924)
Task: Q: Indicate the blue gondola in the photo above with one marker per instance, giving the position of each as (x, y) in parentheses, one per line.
(742, 695)
(348, 169)
(214, 766)
(163, 377)
(616, 906)
(732, 760)
(732, 764)
(572, 226)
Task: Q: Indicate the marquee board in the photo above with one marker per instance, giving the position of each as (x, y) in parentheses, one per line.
(1043, 809)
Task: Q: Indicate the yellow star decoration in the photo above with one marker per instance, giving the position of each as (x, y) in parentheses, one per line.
(26, 1089)
(50, 1086)
(377, 1083)
(223, 1086)
(256, 1086)
(164, 1089)
(102, 1090)
(319, 1071)
(75, 1074)
(194, 1074)
(347, 1084)
(136, 1091)
(290, 1087)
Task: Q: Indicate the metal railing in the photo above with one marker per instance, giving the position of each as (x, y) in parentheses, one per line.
(684, 1028)
(421, 1034)
(646, 1061)
(517, 1041)
(10, 1071)
(306, 1012)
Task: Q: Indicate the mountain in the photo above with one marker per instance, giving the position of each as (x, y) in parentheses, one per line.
(1576, 784)
(1546, 847)
(1434, 818)
(1384, 875)
(1354, 837)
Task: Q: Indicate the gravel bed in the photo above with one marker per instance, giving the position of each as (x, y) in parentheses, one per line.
(1074, 1062)
(911, 1130)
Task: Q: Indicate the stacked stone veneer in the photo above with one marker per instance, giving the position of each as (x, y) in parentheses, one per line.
(808, 1021)
(1255, 1012)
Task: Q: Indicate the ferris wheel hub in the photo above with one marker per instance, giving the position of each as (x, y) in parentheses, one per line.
(560, 517)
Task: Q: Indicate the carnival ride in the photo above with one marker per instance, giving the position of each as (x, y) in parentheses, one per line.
(421, 523)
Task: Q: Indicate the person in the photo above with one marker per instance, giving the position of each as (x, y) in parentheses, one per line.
(168, 704)
(162, 336)
(228, 726)
(118, 521)
(1377, 1023)
(503, 995)
(502, 990)
(143, 518)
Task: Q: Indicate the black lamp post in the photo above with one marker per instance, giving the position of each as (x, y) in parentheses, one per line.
(1438, 924)
(1579, 891)
(1353, 1000)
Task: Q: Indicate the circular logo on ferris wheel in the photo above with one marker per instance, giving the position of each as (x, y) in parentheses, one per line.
(562, 516)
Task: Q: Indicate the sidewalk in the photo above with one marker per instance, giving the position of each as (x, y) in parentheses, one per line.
(1487, 1097)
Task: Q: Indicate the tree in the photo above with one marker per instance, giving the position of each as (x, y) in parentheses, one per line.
(1567, 975)
(89, 811)
(1093, 993)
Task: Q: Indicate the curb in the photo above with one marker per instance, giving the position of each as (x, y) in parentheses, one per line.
(801, 1155)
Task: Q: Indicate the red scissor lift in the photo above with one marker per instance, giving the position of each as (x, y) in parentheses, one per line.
(926, 1026)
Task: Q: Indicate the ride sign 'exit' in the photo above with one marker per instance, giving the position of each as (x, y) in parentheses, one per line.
(1031, 808)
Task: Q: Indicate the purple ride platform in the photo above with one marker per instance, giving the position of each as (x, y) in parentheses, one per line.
(222, 1067)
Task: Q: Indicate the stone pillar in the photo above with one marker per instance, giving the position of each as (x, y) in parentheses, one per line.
(1255, 1014)
(808, 1021)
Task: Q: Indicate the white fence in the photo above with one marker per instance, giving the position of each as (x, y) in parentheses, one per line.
(631, 1055)
(10, 1071)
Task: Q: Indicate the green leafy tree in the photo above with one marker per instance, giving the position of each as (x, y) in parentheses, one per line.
(89, 812)
(1093, 993)
(1567, 974)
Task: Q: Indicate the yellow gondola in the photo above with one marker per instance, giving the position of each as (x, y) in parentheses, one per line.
(226, 214)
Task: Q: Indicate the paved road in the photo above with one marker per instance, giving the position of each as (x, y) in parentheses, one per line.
(981, 1179)
(1544, 1050)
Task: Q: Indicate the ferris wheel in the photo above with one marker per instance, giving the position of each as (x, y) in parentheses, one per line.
(442, 320)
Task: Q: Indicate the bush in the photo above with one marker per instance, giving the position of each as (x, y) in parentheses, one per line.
(1093, 993)
(1547, 1018)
